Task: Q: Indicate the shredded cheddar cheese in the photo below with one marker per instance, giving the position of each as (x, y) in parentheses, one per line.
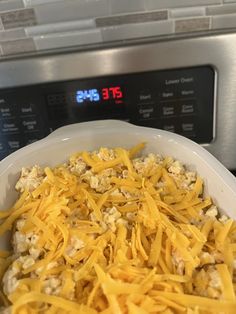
(109, 232)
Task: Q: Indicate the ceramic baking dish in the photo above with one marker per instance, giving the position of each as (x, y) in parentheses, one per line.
(59, 145)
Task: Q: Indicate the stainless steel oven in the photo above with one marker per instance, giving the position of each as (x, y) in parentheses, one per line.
(183, 85)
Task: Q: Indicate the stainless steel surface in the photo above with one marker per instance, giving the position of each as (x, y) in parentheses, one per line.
(217, 50)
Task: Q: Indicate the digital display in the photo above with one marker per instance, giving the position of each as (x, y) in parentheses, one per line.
(105, 94)
(87, 95)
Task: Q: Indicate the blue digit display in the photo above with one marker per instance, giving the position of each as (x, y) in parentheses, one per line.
(80, 96)
(90, 95)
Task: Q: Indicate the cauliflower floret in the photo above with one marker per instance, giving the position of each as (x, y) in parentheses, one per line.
(106, 154)
(9, 280)
(147, 165)
(176, 168)
(111, 217)
(103, 184)
(212, 212)
(22, 242)
(178, 262)
(75, 245)
(183, 179)
(52, 286)
(26, 261)
(218, 256)
(138, 164)
(160, 184)
(14, 272)
(94, 182)
(128, 194)
(190, 178)
(201, 280)
(99, 182)
(51, 265)
(34, 252)
(215, 281)
(206, 258)
(223, 218)
(125, 174)
(208, 283)
(20, 224)
(77, 165)
(131, 216)
(19, 242)
(30, 179)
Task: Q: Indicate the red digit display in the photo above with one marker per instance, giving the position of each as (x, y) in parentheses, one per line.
(105, 93)
(113, 92)
(118, 92)
(109, 93)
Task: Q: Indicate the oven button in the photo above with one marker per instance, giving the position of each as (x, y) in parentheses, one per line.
(9, 126)
(145, 96)
(14, 142)
(26, 110)
(7, 111)
(187, 92)
(168, 110)
(30, 124)
(146, 112)
(167, 95)
(187, 127)
(187, 108)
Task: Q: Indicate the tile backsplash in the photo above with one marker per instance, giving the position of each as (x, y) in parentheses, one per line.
(35, 25)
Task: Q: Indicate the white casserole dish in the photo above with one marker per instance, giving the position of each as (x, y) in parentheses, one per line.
(58, 146)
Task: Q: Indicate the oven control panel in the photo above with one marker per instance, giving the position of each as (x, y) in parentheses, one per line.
(180, 101)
